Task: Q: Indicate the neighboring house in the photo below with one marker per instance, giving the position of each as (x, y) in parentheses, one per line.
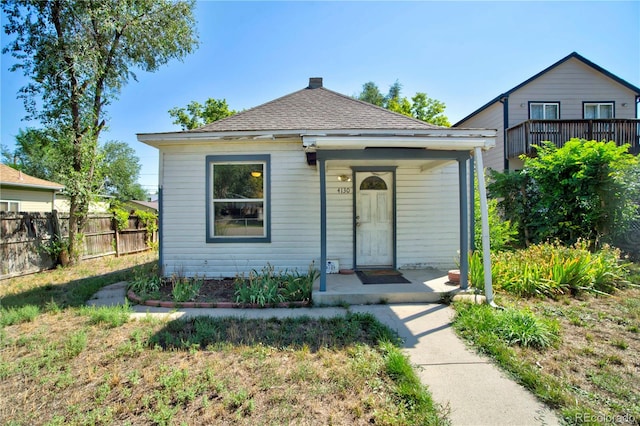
(20, 192)
(100, 205)
(147, 206)
(309, 177)
(572, 98)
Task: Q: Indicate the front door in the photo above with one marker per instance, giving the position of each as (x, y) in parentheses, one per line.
(374, 219)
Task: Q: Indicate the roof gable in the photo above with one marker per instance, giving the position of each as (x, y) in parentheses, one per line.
(315, 108)
(13, 177)
(573, 55)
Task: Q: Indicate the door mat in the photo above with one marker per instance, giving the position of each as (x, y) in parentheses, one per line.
(379, 277)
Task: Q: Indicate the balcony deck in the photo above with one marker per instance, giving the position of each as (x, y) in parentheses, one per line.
(521, 137)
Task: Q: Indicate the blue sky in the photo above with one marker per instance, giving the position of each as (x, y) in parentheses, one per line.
(462, 53)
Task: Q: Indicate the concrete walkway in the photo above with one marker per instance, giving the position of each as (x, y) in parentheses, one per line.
(475, 391)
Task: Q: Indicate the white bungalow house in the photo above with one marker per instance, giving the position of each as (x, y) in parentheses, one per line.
(314, 176)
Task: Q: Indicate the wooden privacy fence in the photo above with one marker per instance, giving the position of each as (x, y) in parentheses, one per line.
(26, 238)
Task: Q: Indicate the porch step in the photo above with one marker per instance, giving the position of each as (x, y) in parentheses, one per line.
(425, 286)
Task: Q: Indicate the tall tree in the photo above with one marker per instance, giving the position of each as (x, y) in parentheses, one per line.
(120, 168)
(195, 114)
(78, 55)
(420, 106)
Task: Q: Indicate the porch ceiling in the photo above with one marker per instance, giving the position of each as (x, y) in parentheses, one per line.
(419, 163)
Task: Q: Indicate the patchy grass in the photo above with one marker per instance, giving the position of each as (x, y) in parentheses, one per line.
(591, 373)
(71, 364)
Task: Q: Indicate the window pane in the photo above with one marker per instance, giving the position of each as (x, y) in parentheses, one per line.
(373, 182)
(4, 206)
(606, 111)
(238, 180)
(551, 112)
(238, 219)
(14, 207)
(590, 111)
(536, 112)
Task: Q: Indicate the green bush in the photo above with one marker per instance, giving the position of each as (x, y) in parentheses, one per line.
(552, 269)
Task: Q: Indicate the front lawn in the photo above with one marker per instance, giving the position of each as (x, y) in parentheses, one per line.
(65, 363)
(590, 372)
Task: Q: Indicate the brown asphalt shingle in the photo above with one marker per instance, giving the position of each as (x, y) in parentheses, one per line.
(317, 109)
(9, 176)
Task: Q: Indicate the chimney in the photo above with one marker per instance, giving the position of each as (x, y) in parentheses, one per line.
(315, 82)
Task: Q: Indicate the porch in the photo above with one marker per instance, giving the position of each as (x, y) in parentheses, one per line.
(426, 286)
(521, 137)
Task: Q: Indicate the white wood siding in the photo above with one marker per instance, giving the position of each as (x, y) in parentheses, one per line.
(490, 118)
(339, 217)
(295, 212)
(30, 200)
(571, 83)
(428, 231)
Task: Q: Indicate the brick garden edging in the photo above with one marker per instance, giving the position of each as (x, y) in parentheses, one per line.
(168, 304)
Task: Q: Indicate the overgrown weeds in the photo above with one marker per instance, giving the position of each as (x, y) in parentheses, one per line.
(550, 270)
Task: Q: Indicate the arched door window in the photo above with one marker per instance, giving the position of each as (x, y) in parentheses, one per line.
(373, 183)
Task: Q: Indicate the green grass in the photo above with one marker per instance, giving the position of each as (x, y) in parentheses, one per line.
(66, 363)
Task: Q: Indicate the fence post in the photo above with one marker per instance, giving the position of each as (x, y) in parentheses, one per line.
(117, 236)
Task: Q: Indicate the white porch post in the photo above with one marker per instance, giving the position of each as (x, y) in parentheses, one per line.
(323, 225)
(484, 212)
(464, 223)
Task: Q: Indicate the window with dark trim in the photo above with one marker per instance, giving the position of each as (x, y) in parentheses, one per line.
(594, 110)
(238, 205)
(544, 110)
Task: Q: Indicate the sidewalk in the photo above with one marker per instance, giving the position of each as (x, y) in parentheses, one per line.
(475, 391)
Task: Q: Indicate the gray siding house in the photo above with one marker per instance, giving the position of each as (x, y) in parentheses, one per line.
(313, 176)
(572, 98)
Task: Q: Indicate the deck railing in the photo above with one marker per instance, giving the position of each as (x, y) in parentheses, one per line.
(520, 138)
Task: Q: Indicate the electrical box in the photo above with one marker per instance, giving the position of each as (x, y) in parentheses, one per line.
(333, 266)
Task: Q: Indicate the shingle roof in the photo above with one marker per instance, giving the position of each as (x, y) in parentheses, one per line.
(13, 177)
(318, 109)
(573, 55)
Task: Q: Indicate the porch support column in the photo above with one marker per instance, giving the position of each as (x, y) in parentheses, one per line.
(472, 205)
(323, 225)
(464, 223)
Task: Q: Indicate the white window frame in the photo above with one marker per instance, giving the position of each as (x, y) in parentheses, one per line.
(9, 203)
(544, 106)
(598, 105)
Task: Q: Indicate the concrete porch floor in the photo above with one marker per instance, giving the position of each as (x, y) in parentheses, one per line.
(427, 286)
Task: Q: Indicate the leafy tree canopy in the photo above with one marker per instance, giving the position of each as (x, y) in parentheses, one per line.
(78, 55)
(420, 106)
(40, 154)
(585, 190)
(196, 115)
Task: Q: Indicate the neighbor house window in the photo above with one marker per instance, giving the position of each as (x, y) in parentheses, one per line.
(598, 110)
(238, 208)
(9, 206)
(544, 111)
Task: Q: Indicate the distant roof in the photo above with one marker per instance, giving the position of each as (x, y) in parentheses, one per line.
(148, 204)
(574, 55)
(317, 108)
(13, 177)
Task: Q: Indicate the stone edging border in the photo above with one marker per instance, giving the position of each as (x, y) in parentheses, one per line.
(167, 304)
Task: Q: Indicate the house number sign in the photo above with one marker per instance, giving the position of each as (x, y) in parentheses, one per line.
(344, 190)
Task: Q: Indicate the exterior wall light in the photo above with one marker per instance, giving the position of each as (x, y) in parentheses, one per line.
(344, 178)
